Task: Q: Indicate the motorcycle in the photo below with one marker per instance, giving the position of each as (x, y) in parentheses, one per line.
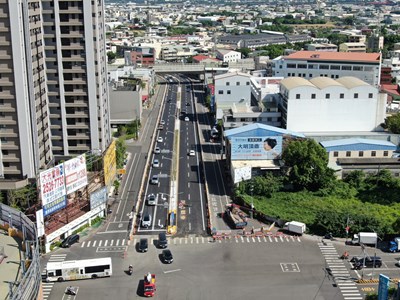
(70, 291)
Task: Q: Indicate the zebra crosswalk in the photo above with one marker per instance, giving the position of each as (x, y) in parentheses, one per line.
(337, 269)
(192, 240)
(48, 286)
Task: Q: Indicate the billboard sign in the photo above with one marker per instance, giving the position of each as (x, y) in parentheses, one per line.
(75, 173)
(98, 197)
(383, 287)
(54, 206)
(110, 164)
(52, 184)
(251, 148)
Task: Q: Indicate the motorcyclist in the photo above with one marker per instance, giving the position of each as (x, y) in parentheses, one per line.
(130, 269)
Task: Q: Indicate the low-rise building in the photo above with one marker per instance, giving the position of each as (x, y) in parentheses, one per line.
(353, 47)
(310, 64)
(322, 47)
(325, 105)
(228, 55)
(367, 155)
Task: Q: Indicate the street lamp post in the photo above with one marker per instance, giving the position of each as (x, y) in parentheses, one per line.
(252, 204)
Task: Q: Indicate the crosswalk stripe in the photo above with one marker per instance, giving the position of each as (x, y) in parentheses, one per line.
(281, 238)
(94, 243)
(253, 239)
(152, 241)
(237, 240)
(197, 239)
(270, 239)
(191, 240)
(111, 242)
(298, 238)
(202, 239)
(129, 242)
(259, 240)
(123, 242)
(88, 244)
(276, 239)
(186, 240)
(117, 243)
(83, 244)
(105, 243)
(101, 241)
(248, 239)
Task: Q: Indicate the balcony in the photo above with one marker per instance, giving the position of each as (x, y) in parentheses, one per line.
(76, 103)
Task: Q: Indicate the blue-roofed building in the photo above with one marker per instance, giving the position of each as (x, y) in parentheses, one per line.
(255, 149)
(346, 155)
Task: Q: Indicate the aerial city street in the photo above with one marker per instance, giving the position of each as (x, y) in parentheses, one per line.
(200, 149)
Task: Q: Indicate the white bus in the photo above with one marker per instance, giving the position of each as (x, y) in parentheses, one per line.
(78, 269)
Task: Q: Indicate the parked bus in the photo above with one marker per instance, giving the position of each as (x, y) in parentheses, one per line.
(79, 269)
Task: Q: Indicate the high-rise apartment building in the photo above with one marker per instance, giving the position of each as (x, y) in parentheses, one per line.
(24, 112)
(75, 52)
(53, 84)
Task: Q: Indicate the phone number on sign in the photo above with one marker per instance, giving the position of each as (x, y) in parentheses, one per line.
(52, 185)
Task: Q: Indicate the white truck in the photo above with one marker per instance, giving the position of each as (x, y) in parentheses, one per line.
(295, 227)
(366, 238)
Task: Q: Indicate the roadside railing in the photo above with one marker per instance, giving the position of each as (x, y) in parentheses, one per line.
(28, 285)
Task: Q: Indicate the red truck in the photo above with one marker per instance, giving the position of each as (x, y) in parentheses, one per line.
(149, 283)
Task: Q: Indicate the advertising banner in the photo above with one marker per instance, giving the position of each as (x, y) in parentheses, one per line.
(110, 164)
(383, 287)
(52, 184)
(98, 197)
(54, 206)
(75, 173)
(251, 148)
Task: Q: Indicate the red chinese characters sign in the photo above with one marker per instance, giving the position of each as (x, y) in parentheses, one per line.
(52, 184)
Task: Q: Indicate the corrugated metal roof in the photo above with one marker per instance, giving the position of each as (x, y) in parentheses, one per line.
(335, 56)
(259, 129)
(324, 82)
(351, 82)
(357, 144)
(293, 82)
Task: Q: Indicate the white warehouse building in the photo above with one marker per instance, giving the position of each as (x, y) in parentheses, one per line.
(327, 105)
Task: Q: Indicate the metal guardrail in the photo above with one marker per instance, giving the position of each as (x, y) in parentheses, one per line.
(27, 288)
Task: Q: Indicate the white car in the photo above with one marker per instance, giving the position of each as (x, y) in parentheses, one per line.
(192, 153)
(160, 139)
(146, 221)
(162, 122)
(157, 150)
(156, 163)
(186, 119)
(151, 199)
(154, 179)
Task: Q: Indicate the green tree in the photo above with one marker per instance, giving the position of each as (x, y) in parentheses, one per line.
(22, 198)
(111, 56)
(307, 162)
(392, 123)
(120, 153)
(355, 179)
(245, 52)
(381, 188)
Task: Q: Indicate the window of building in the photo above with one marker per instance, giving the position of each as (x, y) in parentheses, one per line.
(348, 153)
(313, 96)
(237, 83)
(297, 96)
(302, 66)
(373, 153)
(310, 66)
(357, 68)
(346, 68)
(385, 153)
(228, 92)
(228, 83)
(269, 119)
(327, 96)
(360, 153)
(341, 96)
(335, 154)
(291, 66)
(220, 92)
(335, 67)
(324, 67)
(370, 95)
(396, 174)
(355, 95)
(247, 82)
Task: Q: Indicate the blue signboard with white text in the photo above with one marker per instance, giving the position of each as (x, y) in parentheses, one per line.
(54, 206)
(251, 148)
(383, 287)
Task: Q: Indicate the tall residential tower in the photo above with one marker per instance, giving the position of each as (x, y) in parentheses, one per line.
(53, 84)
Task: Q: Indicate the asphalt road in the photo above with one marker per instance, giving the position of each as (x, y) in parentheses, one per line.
(232, 269)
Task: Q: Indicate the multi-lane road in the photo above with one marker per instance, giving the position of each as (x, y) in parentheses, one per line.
(282, 267)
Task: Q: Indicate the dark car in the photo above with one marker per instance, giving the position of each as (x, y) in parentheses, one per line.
(167, 256)
(72, 239)
(143, 245)
(187, 103)
(369, 262)
(162, 240)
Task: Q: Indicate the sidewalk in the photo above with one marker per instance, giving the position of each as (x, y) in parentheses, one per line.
(10, 265)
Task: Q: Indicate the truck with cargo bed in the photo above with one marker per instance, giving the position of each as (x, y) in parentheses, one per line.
(235, 216)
